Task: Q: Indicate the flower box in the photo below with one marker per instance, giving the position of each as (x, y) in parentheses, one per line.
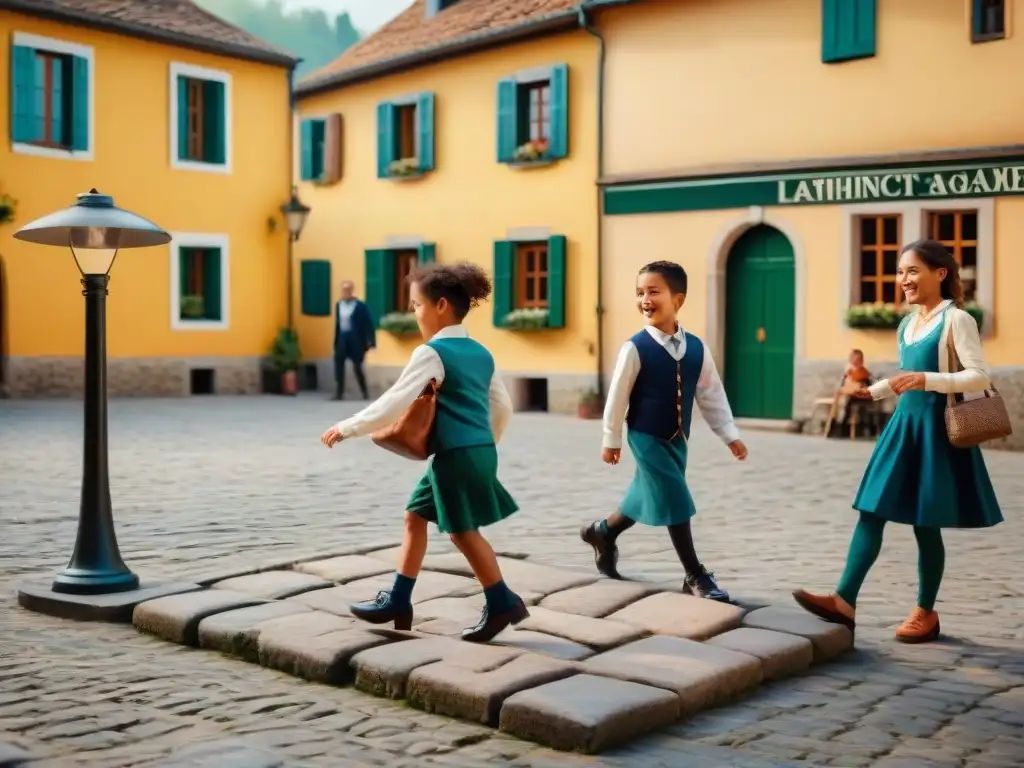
(532, 152)
(400, 324)
(405, 168)
(880, 316)
(526, 319)
(7, 207)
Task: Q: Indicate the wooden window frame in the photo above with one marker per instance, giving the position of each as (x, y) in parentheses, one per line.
(405, 128)
(529, 118)
(958, 243)
(212, 245)
(191, 72)
(51, 60)
(977, 6)
(196, 119)
(524, 277)
(406, 260)
(880, 278)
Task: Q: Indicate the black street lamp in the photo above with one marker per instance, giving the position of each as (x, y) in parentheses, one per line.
(95, 230)
(295, 215)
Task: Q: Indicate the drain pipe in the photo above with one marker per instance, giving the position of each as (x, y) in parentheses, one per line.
(599, 309)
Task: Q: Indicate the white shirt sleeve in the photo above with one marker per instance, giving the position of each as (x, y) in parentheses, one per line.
(627, 367)
(967, 343)
(424, 365)
(501, 406)
(713, 403)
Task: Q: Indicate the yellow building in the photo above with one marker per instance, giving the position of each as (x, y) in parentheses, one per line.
(783, 150)
(462, 130)
(183, 119)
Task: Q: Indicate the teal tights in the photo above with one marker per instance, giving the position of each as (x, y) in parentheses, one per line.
(864, 549)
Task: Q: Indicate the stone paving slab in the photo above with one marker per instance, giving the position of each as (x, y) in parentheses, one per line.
(545, 645)
(782, 655)
(522, 576)
(587, 713)
(13, 756)
(599, 599)
(679, 615)
(176, 617)
(599, 634)
(319, 658)
(236, 632)
(346, 568)
(829, 640)
(273, 585)
(429, 586)
(222, 753)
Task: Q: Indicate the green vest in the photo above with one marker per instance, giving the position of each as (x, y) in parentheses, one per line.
(464, 399)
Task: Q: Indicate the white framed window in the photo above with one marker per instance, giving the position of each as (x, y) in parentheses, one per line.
(53, 102)
(201, 118)
(200, 281)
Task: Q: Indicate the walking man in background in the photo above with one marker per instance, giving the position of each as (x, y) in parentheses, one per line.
(353, 337)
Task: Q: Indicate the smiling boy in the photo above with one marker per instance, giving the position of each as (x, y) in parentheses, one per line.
(660, 372)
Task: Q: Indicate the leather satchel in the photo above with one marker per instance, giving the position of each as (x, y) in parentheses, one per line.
(972, 422)
(409, 437)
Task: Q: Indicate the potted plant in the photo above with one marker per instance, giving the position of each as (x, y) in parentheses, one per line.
(591, 405)
(526, 319)
(8, 205)
(407, 166)
(399, 323)
(884, 316)
(532, 151)
(193, 307)
(285, 357)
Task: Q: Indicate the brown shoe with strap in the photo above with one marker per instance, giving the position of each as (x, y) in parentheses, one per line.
(830, 608)
(920, 627)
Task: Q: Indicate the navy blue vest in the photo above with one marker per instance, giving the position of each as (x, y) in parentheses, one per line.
(654, 399)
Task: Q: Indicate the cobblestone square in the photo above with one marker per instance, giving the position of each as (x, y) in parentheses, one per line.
(211, 487)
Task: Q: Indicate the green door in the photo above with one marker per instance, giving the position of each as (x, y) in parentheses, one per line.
(760, 325)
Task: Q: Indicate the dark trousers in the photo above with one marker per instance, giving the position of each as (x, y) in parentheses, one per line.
(347, 349)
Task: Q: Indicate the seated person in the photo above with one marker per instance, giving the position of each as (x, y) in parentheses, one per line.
(855, 378)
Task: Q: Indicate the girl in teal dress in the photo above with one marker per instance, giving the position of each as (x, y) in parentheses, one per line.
(460, 491)
(915, 477)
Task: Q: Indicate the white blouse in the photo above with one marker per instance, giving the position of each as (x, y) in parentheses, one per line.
(710, 394)
(967, 343)
(424, 365)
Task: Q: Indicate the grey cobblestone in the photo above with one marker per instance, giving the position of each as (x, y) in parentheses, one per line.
(208, 488)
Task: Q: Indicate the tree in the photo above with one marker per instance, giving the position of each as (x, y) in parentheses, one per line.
(307, 33)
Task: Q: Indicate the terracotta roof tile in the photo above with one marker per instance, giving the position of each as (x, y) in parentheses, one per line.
(175, 21)
(412, 33)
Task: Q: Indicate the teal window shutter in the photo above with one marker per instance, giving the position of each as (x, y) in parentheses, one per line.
(385, 138)
(80, 97)
(315, 281)
(214, 123)
(184, 262)
(427, 253)
(556, 281)
(380, 283)
(425, 129)
(559, 111)
(978, 18)
(57, 91)
(23, 92)
(182, 117)
(847, 29)
(504, 282)
(508, 120)
(307, 171)
(212, 283)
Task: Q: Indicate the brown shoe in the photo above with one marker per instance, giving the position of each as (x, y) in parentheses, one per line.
(920, 627)
(826, 607)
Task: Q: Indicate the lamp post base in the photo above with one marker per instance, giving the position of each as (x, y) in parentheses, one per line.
(80, 581)
(41, 597)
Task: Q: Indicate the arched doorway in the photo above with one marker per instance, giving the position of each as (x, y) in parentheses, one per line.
(760, 324)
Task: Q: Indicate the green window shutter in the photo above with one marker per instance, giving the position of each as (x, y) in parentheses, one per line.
(183, 262)
(425, 128)
(380, 283)
(559, 111)
(307, 150)
(508, 121)
(214, 123)
(847, 29)
(385, 138)
(212, 283)
(319, 144)
(58, 89)
(23, 91)
(80, 103)
(977, 17)
(504, 268)
(427, 253)
(182, 117)
(315, 281)
(556, 281)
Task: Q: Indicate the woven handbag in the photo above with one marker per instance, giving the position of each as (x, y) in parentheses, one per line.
(972, 422)
(409, 437)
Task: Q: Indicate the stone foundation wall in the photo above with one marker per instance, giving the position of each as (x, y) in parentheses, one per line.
(36, 377)
(819, 379)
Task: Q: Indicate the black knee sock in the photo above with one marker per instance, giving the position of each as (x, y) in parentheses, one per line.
(682, 540)
(615, 524)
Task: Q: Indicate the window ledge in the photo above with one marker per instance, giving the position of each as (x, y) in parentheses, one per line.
(988, 37)
(198, 165)
(406, 176)
(524, 165)
(200, 325)
(527, 328)
(58, 153)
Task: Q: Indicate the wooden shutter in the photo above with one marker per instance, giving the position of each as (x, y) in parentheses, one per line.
(332, 149)
(214, 114)
(80, 104)
(23, 94)
(847, 29)
(427, 253)
(315, 285)
(307, 149)
(380, 283)
(504, 280)
(508, 120)
(559, 111)
(212, 278)
(385, 138)
(425, 130)
(556, 281)
(182, 117)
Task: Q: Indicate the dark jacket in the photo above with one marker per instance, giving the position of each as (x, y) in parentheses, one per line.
(360, 336)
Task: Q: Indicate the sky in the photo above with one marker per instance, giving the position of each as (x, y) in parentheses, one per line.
(367, 15)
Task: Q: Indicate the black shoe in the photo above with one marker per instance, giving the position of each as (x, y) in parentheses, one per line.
(381, 610)
(490, 626)
(703, 584)
(606, 552)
